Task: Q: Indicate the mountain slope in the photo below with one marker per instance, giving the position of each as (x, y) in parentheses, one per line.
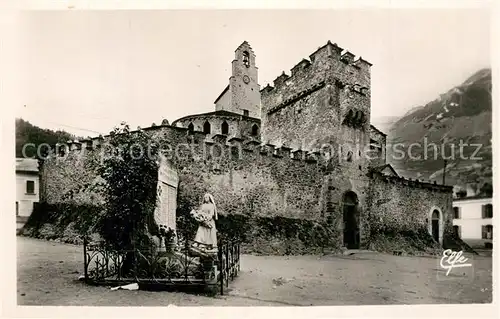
(28, 133)
(384, 123)
(458, 122)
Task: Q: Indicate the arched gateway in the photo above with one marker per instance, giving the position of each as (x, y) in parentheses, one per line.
(351, 220)
(436, 223)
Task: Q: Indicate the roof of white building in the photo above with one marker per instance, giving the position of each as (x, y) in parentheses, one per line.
(463, 199)
(26, 165)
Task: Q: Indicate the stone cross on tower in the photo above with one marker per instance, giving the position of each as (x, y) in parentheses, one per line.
(242, 95)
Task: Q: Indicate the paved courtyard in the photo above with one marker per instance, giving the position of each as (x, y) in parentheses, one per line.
(47, 274)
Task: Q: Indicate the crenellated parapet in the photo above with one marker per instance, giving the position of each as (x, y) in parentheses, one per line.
(238, 147)
(416, 184)
(302, 66)
(197, 144)
(347, 57)
(331, 61)
(280, 80)
(328, 92)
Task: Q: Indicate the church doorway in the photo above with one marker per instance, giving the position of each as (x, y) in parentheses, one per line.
(435, 225)
(351, 216)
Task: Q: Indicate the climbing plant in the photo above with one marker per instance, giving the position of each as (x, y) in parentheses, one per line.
(129, 169)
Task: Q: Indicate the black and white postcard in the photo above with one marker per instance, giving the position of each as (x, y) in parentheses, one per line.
(173, 156)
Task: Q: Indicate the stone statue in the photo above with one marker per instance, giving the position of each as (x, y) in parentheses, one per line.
(206, 236)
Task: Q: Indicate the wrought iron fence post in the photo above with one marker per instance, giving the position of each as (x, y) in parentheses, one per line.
(232, 260)
(235, 261)
(186, 257)
(233, 252)
(105, 254)
(120, 264)
(227, 264)
(136, 275)
(151, 266)
(85, 261)
(221, 270)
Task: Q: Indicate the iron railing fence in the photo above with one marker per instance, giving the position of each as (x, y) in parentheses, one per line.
(179, 266)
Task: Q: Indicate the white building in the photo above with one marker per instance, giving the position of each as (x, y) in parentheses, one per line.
(27, 188)
(473, 220)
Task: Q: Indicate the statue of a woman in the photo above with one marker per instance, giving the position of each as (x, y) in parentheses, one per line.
(206, 236)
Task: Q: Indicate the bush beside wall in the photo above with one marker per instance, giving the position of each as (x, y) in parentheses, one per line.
(258, 235)
(65, 222)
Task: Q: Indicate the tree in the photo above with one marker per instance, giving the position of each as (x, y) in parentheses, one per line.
(129, 168)
(487, 189)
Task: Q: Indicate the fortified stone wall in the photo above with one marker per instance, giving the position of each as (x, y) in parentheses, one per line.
(261, 180)
(287, 172)
(407, 205)
(310, 107)
(237, 125)
(244, 176)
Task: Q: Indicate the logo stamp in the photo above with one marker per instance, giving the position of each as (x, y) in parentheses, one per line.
(452, 259)
(455, 265)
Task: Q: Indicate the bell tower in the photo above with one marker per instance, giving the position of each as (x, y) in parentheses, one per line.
(242, 95)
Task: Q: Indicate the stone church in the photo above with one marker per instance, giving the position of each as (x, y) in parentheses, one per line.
(302, 148)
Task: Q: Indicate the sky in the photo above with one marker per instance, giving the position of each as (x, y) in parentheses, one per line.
(87, 71)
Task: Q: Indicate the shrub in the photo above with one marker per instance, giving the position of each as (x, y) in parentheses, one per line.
(130, 177)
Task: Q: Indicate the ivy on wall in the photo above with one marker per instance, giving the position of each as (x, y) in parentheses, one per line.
(289, 235)
(260, 235)
(130, 175)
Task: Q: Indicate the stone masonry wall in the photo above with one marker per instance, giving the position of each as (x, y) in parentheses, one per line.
(247, 178)
(238, 126)
(407, 205)
(307, 109)
(244, 178)
(314, 108)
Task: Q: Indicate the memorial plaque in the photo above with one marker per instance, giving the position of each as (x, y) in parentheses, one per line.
(168, 181)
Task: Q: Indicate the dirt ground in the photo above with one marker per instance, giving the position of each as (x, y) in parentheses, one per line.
(47, 274)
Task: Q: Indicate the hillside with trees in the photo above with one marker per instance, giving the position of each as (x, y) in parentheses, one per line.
(28, 133)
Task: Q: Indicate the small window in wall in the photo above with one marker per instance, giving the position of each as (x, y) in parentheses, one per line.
(225, 128)
(191, 127)
(17, 208)
(456, 212)
(30, 187)
(488, 211)
(255, 130)
(245, 113)
(206, 128)
(456, 230)
(487, 231)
